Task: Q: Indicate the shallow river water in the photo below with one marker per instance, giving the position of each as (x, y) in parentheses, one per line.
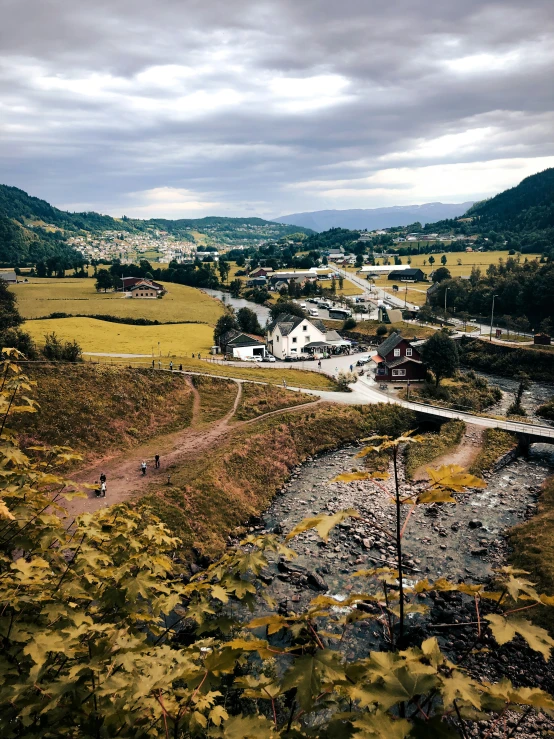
(460, 542)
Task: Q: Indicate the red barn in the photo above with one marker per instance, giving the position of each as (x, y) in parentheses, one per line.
(398, 361)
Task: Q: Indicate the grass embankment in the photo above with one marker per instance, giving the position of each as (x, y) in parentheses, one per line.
(409, 330)
(41, 297)
(496, 443)
(535, 361)
(434, 445)
(98, 409)
(259, 399)
(216, 397)
(533, 551)
(466, 392)
(211, 496)
(311, 380)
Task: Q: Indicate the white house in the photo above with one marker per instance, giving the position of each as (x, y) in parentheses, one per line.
(290, 335)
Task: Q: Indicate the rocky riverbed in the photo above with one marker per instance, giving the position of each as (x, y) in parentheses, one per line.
(536, 395)
(460, 542)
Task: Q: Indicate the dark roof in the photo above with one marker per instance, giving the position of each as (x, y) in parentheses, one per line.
(405, 272)
(128, 281)
(245, 340)
(402, 360)
(389, 344)
(315, 344)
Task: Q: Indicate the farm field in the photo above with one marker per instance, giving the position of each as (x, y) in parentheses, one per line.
(41, 297)
(102, 336)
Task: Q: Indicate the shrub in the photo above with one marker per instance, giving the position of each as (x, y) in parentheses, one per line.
(349, 324)
(381, 330)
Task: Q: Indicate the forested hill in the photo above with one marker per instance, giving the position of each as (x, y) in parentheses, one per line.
(32, 230)
(523, 216)
(527, 207)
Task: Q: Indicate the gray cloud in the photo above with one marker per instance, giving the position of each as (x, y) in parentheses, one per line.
(180, 109)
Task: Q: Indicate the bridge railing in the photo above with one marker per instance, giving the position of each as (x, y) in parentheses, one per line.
(522, 427)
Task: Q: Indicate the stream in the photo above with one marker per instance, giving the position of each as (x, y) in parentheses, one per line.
(537, 394)
(237, 303)
(460, 542)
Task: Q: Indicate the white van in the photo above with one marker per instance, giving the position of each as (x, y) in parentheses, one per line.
(312, 312)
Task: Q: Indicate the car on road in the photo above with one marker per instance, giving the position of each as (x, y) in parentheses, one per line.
(362, 360)
(269, 358)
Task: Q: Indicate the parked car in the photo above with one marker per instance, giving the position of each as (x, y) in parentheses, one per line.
(303, 305)
(269, 358)
(253, 358)
(362, 360)
(313, 312)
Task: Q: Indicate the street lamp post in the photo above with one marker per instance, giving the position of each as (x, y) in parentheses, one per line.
(492, 316)
(445, 296)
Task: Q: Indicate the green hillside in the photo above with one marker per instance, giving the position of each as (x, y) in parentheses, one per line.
(527, 207)
(32, 230)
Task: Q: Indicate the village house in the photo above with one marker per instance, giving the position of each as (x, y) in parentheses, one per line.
(398, 360)
(239, 345)
(261, 272)
(146, 289)
(292, 336)
(9, 277)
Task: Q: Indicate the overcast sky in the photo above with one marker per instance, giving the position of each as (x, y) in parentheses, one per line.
(183, 108)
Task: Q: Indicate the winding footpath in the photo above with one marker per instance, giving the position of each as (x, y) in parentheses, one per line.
(123, 470)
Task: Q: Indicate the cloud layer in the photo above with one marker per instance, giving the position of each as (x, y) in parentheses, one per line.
(272, 106)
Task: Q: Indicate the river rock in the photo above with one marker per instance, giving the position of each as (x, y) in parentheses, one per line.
(316, 582)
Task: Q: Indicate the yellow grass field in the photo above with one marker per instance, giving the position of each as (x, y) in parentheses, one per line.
(101, 336)
(41, 297)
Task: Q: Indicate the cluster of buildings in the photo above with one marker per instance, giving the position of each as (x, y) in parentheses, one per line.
(130, 247)
(276, 280)
(287, 337)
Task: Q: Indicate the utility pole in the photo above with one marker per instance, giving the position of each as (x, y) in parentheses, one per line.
(492, 316)
(445, 296)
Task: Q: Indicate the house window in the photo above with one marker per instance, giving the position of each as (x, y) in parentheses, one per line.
(294, 339)
(277, 337)
(304, 328)
(307, 339)
(408, 352)
(397, 352)
(398, 373)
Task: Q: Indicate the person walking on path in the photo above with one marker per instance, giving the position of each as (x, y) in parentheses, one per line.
(157, 461)
(180, 368)
(319, 364)
(284, 383)
(103, 477)
(159, 365)
(143, 468)
(171, 366)
(103, 489)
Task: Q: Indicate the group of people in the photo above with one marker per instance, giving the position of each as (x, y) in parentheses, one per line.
(170, 365)
(144, 466)
(101, 488)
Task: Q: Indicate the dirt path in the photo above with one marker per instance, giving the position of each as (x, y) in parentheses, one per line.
(463, 454)
(124, 480)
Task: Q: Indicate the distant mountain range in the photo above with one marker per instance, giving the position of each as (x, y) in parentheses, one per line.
(372, 218)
